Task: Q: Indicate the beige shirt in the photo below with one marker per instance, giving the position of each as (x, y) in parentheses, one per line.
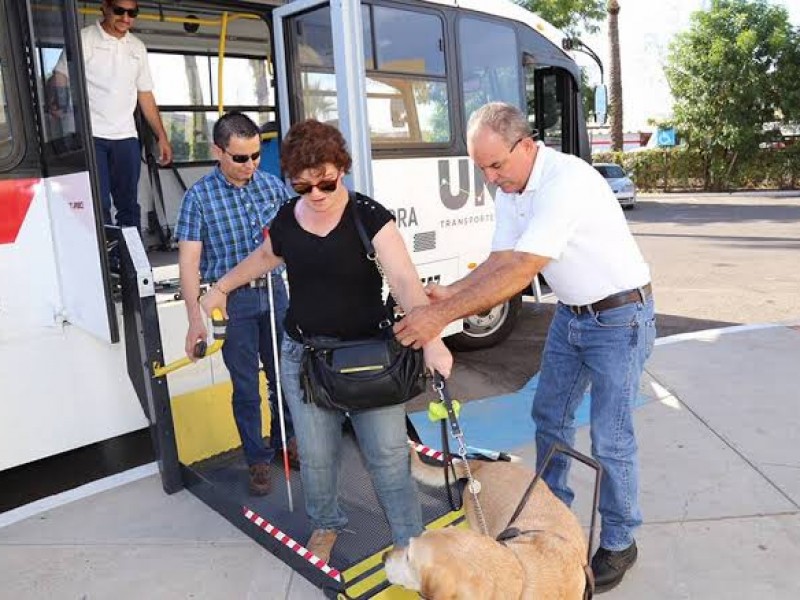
(116, 70)
(567, 212)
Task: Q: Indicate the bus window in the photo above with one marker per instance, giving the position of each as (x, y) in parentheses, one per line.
(314, 41)
(406, 94)
(547, 91)
(6, 126)
(180, 79)
(187, 90)
(186, 77)
(488, 76)
(410, 42)
(57, 79)
(246, 82)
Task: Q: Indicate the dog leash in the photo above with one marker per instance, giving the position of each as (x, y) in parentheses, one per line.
(455, 429)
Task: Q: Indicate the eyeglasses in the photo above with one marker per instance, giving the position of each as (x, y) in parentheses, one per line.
(515, 144)
(496, 166)
(324, 185)
(243, 158)
(119, 11)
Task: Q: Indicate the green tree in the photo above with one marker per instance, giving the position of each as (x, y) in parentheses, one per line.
(572, 16)
(734, 70)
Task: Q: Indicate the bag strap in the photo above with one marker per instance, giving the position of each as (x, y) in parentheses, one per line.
(362, 233)
(370, 249)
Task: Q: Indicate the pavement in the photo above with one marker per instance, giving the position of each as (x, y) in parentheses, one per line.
(718, 424)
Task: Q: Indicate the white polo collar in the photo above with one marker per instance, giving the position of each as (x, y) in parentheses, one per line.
(536, 172)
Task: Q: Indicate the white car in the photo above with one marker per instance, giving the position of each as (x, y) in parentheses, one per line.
(622, 185)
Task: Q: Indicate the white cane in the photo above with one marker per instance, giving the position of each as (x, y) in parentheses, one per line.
(279, 392)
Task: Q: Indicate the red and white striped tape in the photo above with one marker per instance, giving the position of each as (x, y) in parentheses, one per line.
(290, 543)
(427, 451)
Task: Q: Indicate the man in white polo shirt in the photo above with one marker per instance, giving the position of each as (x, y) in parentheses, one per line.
(117, 77)
(556, 215)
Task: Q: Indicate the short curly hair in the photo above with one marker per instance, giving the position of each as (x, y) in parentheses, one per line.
(311, 145)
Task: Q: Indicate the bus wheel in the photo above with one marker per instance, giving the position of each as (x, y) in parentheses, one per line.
(488, 328)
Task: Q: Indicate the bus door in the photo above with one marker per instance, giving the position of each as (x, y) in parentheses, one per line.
(64, 245)
(319, 59)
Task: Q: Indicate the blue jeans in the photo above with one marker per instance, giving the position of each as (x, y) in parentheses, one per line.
(249, 338)
(607, 350)
(381, 434)
(118, 166)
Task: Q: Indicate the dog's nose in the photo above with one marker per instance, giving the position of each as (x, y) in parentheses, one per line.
(385, 556)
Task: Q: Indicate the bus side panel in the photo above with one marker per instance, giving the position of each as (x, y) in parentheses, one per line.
(62, 389)
(444, 212)
(29, 291)
(75, 239)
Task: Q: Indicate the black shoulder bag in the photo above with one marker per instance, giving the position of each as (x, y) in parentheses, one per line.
(365, 373)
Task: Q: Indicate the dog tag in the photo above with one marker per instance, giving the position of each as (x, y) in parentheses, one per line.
(475, 487)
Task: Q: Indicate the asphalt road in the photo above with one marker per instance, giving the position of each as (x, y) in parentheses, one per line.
(716, 260)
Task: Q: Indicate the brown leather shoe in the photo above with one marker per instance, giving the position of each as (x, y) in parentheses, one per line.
(321, 543)
(260, 483)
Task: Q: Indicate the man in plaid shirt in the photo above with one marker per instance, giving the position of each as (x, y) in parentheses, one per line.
(223, 218)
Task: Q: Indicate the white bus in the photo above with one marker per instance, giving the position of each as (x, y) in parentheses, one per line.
(398, 77)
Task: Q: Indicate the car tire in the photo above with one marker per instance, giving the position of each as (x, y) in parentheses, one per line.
(487, 329)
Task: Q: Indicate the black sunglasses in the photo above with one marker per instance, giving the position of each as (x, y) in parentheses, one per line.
(243, 158)
(119, 11)
(324, 185)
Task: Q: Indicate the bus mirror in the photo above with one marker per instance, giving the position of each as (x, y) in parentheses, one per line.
(600, 104)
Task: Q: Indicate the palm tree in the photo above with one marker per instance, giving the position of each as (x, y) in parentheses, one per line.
(615, 75)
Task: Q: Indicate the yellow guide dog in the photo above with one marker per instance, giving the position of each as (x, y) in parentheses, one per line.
(546, 561)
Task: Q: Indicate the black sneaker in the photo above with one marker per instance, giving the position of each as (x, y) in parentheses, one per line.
(609, 566)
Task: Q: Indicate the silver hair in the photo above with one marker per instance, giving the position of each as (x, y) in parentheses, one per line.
(504, 119)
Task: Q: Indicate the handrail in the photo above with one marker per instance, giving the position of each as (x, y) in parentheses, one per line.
(201, 349)
(223, 34)
(163, 19)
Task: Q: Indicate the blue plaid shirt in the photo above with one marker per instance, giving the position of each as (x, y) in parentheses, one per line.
(230, 221)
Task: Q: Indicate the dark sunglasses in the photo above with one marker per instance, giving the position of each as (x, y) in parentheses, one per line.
(243, 158)
(324, 185)
(119, 11)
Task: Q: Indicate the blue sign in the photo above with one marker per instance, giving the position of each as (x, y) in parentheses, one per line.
(665, 137)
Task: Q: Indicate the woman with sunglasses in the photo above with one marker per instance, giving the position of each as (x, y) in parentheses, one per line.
(337, 292)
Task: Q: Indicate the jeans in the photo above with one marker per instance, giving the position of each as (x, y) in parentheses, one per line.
(118, 165)
(607, 350)
(381, 434)
(249, 338)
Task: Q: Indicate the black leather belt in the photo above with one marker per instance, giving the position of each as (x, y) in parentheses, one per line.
(615, 300)
(260, 282)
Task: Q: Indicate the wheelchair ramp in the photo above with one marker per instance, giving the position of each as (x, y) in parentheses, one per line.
(355, 569)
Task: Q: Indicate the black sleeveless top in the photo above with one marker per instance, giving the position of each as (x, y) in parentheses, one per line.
(334, 290)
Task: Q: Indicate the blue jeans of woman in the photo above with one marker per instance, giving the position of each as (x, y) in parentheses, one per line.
(248, 340)
(607, 351)
(381, 434)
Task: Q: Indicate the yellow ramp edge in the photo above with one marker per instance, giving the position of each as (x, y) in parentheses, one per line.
(204, 425)
(377, 578)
